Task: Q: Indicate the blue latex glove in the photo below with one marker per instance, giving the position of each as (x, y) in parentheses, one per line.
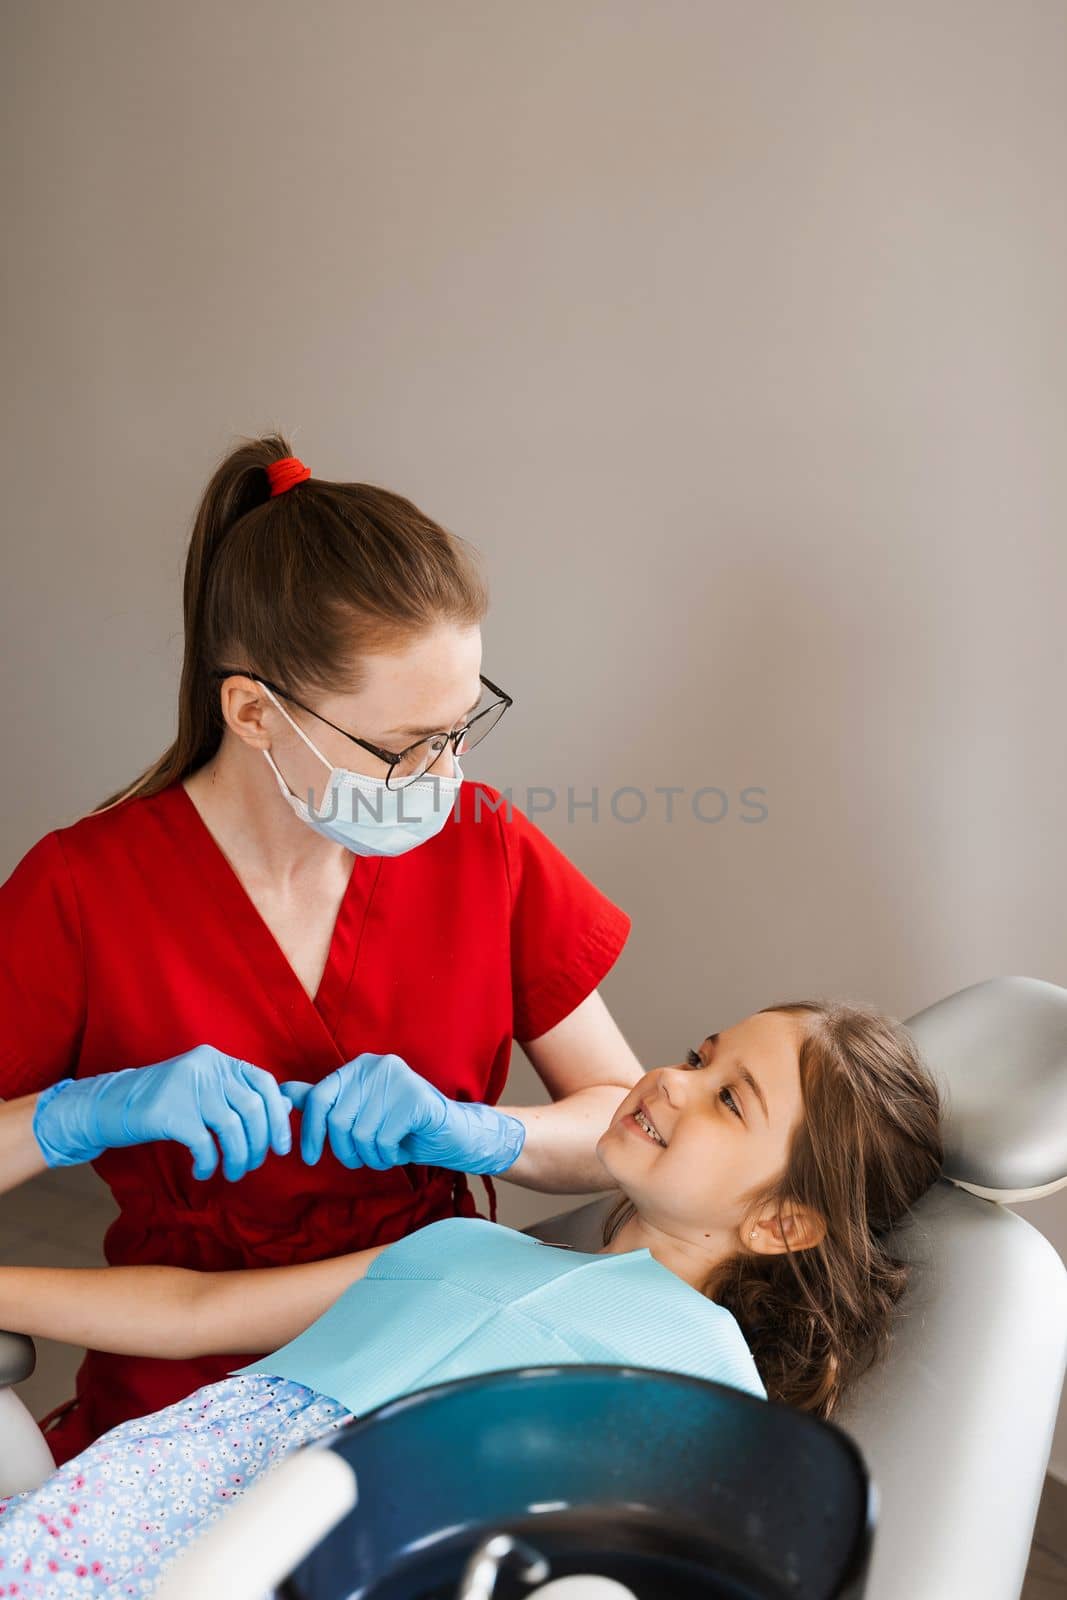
(379, 1113)
(188, 1098)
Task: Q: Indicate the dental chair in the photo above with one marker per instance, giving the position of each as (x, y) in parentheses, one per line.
(955, 1426)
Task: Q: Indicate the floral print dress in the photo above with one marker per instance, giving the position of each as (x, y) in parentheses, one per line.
(110, 1521)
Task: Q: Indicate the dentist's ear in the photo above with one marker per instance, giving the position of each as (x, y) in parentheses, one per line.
(242, 704)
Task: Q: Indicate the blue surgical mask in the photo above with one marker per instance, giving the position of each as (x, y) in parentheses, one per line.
(364, 814)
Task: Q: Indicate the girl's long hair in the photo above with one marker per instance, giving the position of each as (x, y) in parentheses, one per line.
(868, 1147)
(297, 588)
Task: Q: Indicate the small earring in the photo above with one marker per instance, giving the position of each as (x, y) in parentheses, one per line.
(752, 1235)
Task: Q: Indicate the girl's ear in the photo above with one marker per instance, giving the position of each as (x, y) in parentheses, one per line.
(801, 1227)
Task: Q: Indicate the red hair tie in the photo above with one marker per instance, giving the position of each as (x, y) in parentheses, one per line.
(283, 474)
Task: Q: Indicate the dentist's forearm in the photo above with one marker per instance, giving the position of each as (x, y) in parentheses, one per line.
(559, 1152)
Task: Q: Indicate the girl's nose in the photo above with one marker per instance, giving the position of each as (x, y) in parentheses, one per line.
(671, 1082)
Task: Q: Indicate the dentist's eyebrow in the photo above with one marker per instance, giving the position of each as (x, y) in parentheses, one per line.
(745, 1075)
(424, 733)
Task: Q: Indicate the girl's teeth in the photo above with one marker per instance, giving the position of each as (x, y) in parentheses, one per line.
(643, 1122)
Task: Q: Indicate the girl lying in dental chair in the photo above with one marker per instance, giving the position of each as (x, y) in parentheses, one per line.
(759, 1179)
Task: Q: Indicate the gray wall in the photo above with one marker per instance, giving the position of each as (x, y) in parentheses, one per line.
(733, 335)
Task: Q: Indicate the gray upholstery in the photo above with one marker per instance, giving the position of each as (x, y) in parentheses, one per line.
(956, 1426)
(17, 1358)
(1000, 1050)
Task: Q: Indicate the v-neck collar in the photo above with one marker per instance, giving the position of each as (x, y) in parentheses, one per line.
(230, 899)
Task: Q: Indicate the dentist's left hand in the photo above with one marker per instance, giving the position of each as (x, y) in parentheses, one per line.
(380, 1113)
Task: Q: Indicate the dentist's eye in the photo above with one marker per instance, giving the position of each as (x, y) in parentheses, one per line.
(692, 1059)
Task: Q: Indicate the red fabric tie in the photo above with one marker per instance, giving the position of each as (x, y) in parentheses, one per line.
(283, 474)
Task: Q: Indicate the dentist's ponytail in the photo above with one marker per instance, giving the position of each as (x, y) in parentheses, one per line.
(298, 587)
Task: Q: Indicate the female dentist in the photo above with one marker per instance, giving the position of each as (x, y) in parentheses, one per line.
(298, 906)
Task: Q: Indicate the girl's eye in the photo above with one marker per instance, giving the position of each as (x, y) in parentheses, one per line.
(692, 1059)
(733, 1103)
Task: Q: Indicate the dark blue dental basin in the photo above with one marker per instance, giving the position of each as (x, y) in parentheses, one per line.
(674, 1486)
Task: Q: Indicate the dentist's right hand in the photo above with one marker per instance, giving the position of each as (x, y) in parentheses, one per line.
(188, 1099)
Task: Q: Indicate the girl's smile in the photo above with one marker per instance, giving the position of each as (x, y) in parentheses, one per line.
(640, 1121)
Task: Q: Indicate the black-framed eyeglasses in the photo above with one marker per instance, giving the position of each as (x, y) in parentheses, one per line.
(414, 762)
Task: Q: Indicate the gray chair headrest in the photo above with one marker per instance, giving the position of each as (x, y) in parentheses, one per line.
(999, 1052)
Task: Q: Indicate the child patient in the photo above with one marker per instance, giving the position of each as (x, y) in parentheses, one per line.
(759, 1179)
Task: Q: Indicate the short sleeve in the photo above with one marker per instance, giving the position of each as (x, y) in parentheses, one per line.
(42, 972)
(565, 934)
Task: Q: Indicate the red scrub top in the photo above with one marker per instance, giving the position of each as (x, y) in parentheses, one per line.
(128, 938)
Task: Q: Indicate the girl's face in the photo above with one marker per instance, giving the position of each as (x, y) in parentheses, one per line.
(724, 1119)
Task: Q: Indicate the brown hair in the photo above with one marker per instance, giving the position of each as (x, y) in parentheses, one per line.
(298, 587)
(869, 1146)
